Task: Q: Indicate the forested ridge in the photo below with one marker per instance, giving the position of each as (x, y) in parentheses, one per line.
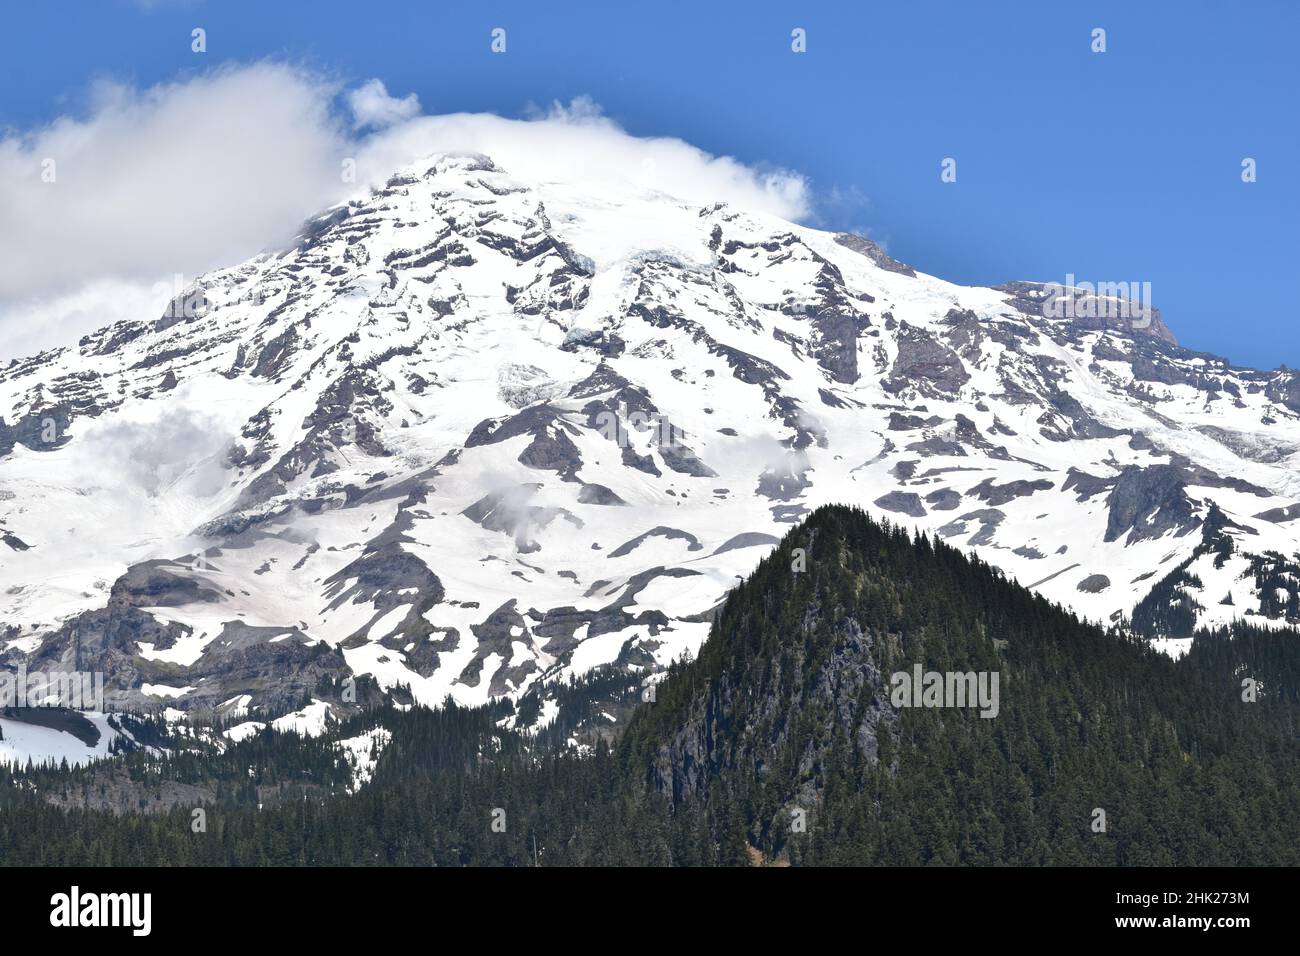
(777, 744)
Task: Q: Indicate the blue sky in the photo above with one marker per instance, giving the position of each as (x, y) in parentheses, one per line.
(1123, 165)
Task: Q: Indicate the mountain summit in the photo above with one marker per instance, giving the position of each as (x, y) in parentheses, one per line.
(475, 432)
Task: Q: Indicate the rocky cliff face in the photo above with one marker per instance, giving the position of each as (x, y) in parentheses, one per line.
(472, 433)
(804, 703)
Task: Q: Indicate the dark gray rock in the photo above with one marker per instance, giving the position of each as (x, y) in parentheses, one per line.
(866, 247)
(785, 481)
(627, 547)
(1281, 515)
(925, 363)
(747, 539)
(1094, 584)
(904, 470)
(902, 423)
(13, 541)
(988, 518)
(944, 499)
(995, 494)
(901, 502)
(936, 446)
(276, 354)
(788, 514)
(593, 494)
(553, 450)
(1086, 486)
(682, 459)
(41, 429)
(1149, 502)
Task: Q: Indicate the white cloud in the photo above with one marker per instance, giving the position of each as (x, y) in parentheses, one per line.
(31, 325)
(581, 109)
(174, 178)
(576, 143)
(180, 446)
(201, 173)
(372, 106)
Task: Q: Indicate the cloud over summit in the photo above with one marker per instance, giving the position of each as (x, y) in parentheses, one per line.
(203, 172)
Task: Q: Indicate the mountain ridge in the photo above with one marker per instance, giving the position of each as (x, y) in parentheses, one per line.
(472, 431)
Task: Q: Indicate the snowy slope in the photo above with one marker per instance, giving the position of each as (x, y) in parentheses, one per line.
(473, 432)
(24, 741)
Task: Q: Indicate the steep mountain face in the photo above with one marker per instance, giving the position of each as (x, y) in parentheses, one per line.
(472, 432)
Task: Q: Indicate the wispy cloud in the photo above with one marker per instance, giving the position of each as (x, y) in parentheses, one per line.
(372, 106)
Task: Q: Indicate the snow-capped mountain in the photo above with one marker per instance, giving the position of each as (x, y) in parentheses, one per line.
(473, 432)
